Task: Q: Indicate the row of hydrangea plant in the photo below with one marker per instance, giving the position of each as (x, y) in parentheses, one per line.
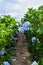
(8, 37)
(32, 27)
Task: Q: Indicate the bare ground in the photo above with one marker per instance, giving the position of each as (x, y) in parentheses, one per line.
(21, 51)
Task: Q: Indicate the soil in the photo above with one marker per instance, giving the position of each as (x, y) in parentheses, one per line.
(21, 51)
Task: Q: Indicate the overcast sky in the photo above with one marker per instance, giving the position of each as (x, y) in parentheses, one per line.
(17, 8)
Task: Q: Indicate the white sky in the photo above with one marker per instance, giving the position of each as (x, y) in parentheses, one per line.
(17, 8)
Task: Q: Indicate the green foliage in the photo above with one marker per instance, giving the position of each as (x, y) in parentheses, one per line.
(40, 61)
(35, 17)
(7, 30)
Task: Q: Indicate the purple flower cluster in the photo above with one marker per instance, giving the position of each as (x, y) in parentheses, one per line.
(33, 39)
(16, 24)
(2, 52)
(25, 27)
(26, 24)
(6, 63)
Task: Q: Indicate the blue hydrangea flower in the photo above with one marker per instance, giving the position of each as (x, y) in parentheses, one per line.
(6, 63)
(26, 24)
(33, 39)
(26, 29)
(16, 24)
(22, 30)
(2, 52)
(34, 63)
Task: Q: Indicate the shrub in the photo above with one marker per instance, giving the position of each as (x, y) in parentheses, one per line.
(8, 28)
(34, 35)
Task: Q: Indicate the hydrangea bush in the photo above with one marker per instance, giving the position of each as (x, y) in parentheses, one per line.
(8, 28)
(34, 35)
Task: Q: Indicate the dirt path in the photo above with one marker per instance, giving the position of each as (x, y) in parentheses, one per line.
(21, 52)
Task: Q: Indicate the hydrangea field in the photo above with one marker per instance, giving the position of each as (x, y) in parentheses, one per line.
(32, 28)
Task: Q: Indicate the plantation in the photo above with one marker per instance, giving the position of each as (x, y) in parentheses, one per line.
(32, 28)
